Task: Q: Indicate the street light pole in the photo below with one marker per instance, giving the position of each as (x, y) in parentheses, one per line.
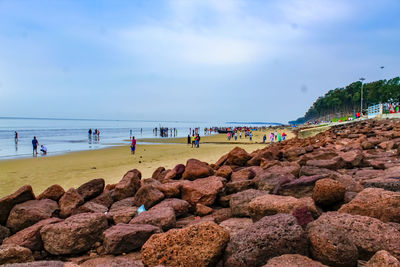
(362, 85)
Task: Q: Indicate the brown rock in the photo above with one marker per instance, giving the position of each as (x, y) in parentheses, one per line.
(221, 160)
(172, 189)
(91, 189)
(284, 168)
(128, 185)
(175, 173)
(149, 181)
(328, 192)
(163, 218)
(14, 254)
(302, 187)
(332, 164)
(30, 212)
(148, 196)
(194, 246)
(234, 187)
(126, 202)
(237, 156)
(203, 210)
(75, 234)
(123, 215)
(242, 175)
(382, 259)
(220, 215)
(104, 199)
(43, 264)
(54, 192)
(90, 207)
(224, 171)
(352, 158)
(4, 233)
(125, 260)
(192, 220)
(180, 207)
(239, 202)
(377, 203)
(69, 202)
(196, 169)
(23, 194)
(303, 216)
(293, 260)
(203, 191)
(158, 174)
(269, 237)
(123, 238)
(30, 237)
(387, 183)
(235, 225)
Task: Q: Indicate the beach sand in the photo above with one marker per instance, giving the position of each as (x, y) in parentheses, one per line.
(73, 169)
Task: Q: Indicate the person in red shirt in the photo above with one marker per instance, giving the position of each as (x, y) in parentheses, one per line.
(133, 145)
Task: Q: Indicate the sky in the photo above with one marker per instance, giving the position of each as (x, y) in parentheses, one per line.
(190, 60)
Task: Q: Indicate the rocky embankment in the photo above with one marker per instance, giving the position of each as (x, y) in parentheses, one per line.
(329, 200)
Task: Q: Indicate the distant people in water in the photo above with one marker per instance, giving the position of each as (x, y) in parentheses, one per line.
(90, 132)
(35, 144)
(130, 134)
(43, 149)
(16, 137)
(133, 145)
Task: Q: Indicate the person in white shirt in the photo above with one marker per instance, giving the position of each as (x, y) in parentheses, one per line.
(43, 149)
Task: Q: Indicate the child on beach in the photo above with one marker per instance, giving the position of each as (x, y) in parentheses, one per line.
(271, 137)
(283, 136)
(43, 149)
(133, 145)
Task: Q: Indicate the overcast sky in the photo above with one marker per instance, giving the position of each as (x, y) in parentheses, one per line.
(206, 60)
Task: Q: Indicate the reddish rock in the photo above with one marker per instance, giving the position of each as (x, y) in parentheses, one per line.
(30, 237)
(367, 145)
(44, 263)
(328, 192)
(221, 160)
(180, 207)
(128, 185)
(301, 187)
(126, 202)
(172, 189)
(69, 202)
(196, 169)
(30, 212)
(352, 158)
(237, 156)
(104, 199)
(175, 173)
(23, 194)
(239, 202)
(123, 215)
(123, 238)
(53, 192)
(339, 239)
(159, 174)
(195, 246)
(203, 191)
(224, 171)
(387, 183)
(294, 153)
(14, 254)
(75, 234)
(91, 189)
(192, 220)
(284, 168)
(272, 182)
(128, 260)
(163, 218)
(303, 216)
(377, 203)
(148, 196)
(293, 260)
(149, 181)
(203, 210)
(269, 237)
(90, 207)
(243, 174)
(4, 233)
(332, 164)
(220, 215)
(382, 259)
(234, 187)
(235, 225)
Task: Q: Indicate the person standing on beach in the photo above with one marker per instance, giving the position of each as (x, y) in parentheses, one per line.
(16, 137)
(188, 139)
(283, 136)
(197, 140)
(251, 136)
(193, 140)
(279, 137)
(271, 137)
(35, 144)
(235, 136)
(133, 145)
(264, 138)
(130, 134)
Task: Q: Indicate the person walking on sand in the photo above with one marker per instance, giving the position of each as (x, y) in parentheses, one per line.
(133, 145)
(251, 136)
(35, 144)
(240, 134)
(197, 140)
(235, 136)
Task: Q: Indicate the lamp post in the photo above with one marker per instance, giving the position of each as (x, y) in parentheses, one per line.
(362, 85)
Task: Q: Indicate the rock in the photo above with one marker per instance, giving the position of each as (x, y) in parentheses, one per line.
(14, 254)
(163, 218)
(332, 164)
(203, 210)
(170, 190)
(196, 169)
(128, 185)
(203, 191)
(237, 156)
(266, 205)
(104, 199)
(123, 215)
(123, 238)
(159, 174)
(235, 225)
(284, 168)
(390, 184)
(234, 187)
(70, 201)
(242, 175)
(367, 145)
(4, 233)
(328, 192)
(175, 173)
(30, 237)
(194, 246)
(148, 196)
(220, 215)
(30, 212)
(192, 220)
(239, 202)
(126, 202)
(128, 260)
(269, 237)
(293, 260)
(382, 259)
(339, 239)
(302, 187)
(75, 234)
(90, 207)
(91, 189)
(180, 207)
(303, 216)
(352, 158)
(224, 171)
(23, 194)
(149, 181)
(377, 203)
(43, 264)
(221, 160)
(272, 182)
(53, 192)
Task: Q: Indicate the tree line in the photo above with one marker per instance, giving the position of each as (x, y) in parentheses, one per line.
(346, 100)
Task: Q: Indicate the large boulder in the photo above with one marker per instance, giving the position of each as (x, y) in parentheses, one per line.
(301, 187)
(377, 203)
(196, 169)
(14, 254)
(53, 192)
(180, 207)
(203, 191)
(339, 239)
(352, 158)
(128, 186)
(171, 189)
(104, 199)
(269, 237)
(194, 246)
(30, 212)
(382, 259)
(267, 204)
(239, 202)
(163, 218)
(75, 234)
(237, 156)
(70, 201)
(243, 174)
(30, 237)
(148, 196)
(224, 171)
(293, 260)
(123, 211)
(123, 238)
(91, 189)
(175, 173)
(327, 192)
(23, 194)
(387, 183)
